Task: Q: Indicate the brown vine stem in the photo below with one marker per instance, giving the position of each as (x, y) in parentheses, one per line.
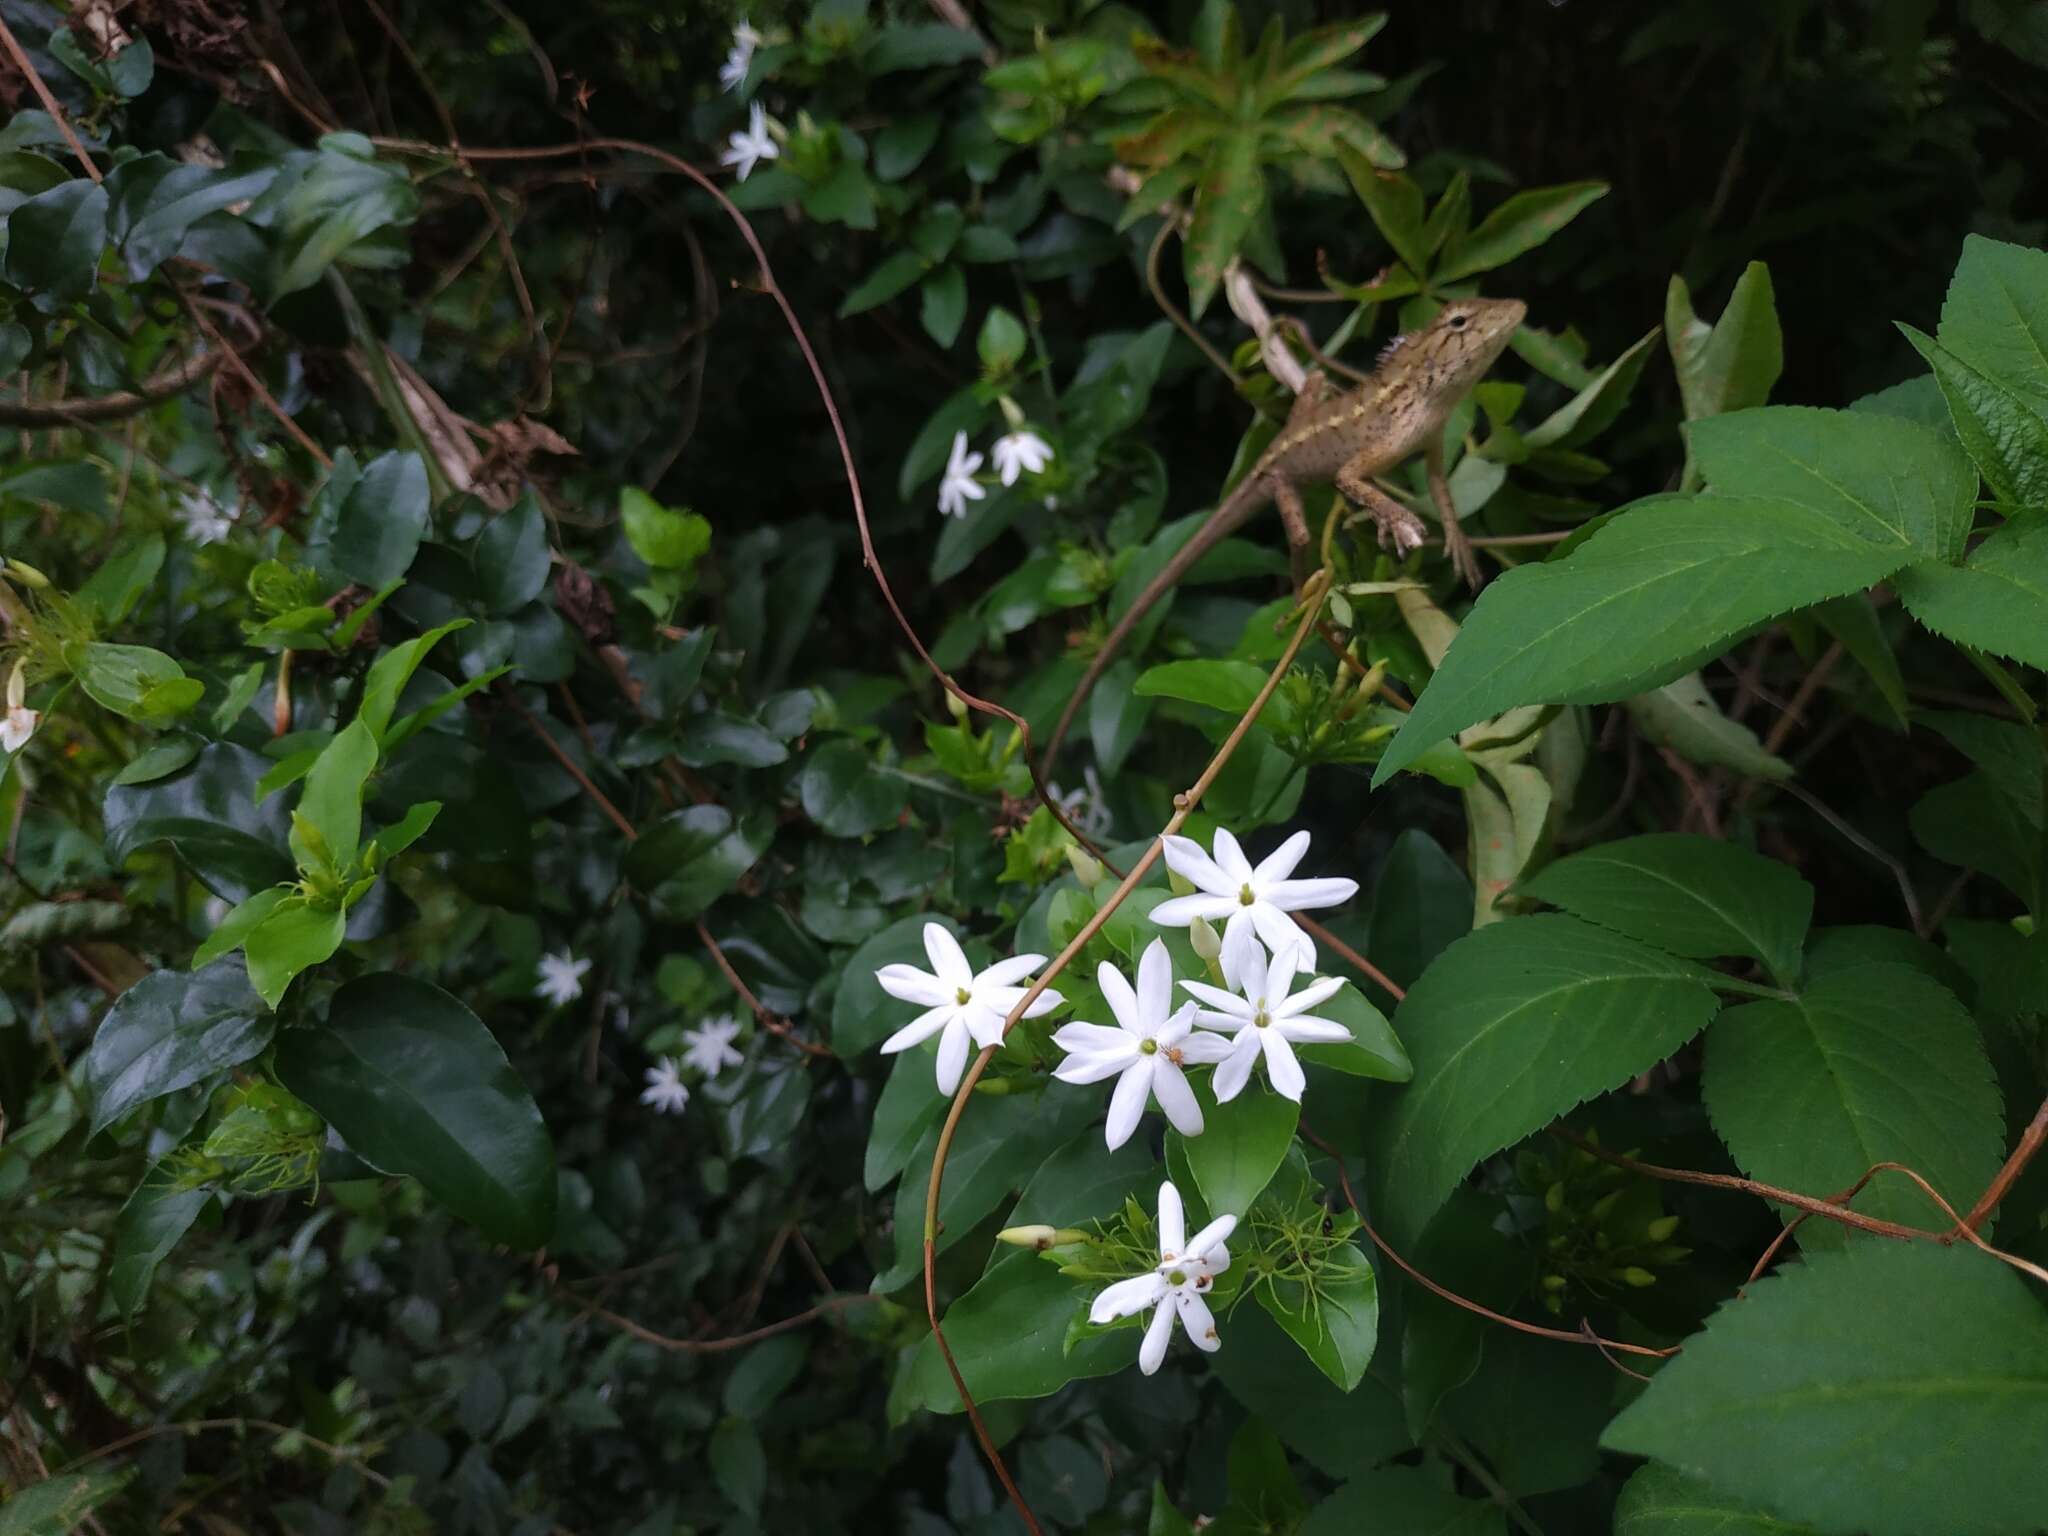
(154, 390)
(19, 56)
(797, 1320)
(769, 1020)
(1584, 1335)
(2023, 1154)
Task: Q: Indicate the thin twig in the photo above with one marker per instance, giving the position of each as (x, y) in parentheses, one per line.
(647, 1335)
(21, 62)
(603, 801)
(774, 1023)
(2029, 1144)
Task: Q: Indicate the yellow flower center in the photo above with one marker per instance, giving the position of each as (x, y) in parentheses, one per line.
(1148, 1047)
(962, 996)
(1177, 1277)
(1244, 896)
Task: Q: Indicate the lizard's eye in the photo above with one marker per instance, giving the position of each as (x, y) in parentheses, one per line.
(1458, 321)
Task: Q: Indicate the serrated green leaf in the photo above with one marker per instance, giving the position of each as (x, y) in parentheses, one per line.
(1655, 591)
(1694, 896)
(1227, 201)
(1995, 316)
(1662, 1501)
(1520, 224)
(2006, 437)
(1593, 409)
(1509, 1028)
(1994, 601)
(1804, 1395)
(1871, 1063)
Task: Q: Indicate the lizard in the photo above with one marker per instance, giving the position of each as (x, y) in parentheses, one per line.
(1347, 438)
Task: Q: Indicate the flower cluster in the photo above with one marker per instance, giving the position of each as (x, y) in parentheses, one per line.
(1256, 1016)
(707, 1050)
(1017, 453)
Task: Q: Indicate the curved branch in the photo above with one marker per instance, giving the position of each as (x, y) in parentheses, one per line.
(154, 390)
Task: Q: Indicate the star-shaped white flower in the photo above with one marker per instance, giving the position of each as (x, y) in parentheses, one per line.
(1145, 1052)
(732, 74)
(745, 150)
(665, 1091)
(959, 1005)
(205, 520)
(1251, 904)
(1022, 452)
(1269, 1017)
(561, 978)
(708, 1047)
(959, 486)
(1085, 807)
(21, 721)
(1186, 1272)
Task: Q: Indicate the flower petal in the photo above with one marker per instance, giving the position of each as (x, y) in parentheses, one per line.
(911, 985)
(1281, 970)
(1281, 932)
(1243, 960)
(985, 1023)
(1080, 1036)
(1127, 1102)
(952, 1054)
(1197, 1321)
(1312, 1031)
(1176, 1027)
(1007, 973)
(1207, 1244)
(1152, 1353)
(1204, 1048)
(1184, 856)
(1279, 864)
(1044, 1003)
(1301, 895)
(1093, 1066)
(1170, 1088)
(1123, 1002)
(1173, 1222)
(949, 961)
(919, 1029)
(1300, 1002)
(1179, 911)
(1282, 1070)
(1126, 1297)
(1155, 985)
(1236, 1069)
(1218, 1000)
(1231, 860)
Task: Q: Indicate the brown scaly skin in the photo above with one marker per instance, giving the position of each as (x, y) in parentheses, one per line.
(1349, 439)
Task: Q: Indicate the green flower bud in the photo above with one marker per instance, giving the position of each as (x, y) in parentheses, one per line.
(1087, 868)
(1207, 944)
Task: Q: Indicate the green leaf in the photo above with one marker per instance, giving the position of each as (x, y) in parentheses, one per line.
(1732, 365)
(154, 1218)
(295, 935)
(1241, 1146)
(1081, 1181)
(1888, 481)
(1655, 591)
(898, 270)
(1853, 621)
(1971, 823)
(944, 309)
(665, 539)
(1995, 317)
(1688, 720)
(1001, 342)
(1510, 1027)
(845, 794)
(114, 589)
(691, 857)
(1403, 1500)
(1520, 224)
(1872, 1063)
(716, 737)
(906, 1109)
(1230, 686)
(1227, 201)
(415, 1085)
(331, 804)
(1695, 896)
(1337, 1320)
(380, 522)
(327, 206)
(170, 1030)
(1395, 204)
(132, 680)
(1593, 409)
(208, 813)
(1341, 1433)
(920, 45)
(59, 1505)
(1994, 600)
(1442, 1343)
(1008, 1335)
(1892, 1388)
(512, 557)
(152, 223)
(1661, 1501)
(1117, 716)
(1373, 1051)
(236, 927)
(738, 1463)
(54, 241)
(2002, 433)
(1420, 903)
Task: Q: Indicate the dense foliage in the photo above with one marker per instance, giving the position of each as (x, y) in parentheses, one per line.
(533, 537)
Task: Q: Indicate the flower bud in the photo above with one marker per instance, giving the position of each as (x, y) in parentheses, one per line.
(957, 705)
(1207, 945)
(1179, 883)
(1638, 1277)
(1661, 1228)
(1087, 868)
(1038, 1236)
(27, 574)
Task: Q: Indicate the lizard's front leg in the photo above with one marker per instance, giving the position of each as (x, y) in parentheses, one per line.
(1400, 530)
(1456, 545)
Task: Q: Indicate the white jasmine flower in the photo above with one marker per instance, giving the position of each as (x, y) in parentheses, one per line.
(1251, 903)
(21, 722)
(708, 1048)
(959, 1005)
(1022, 452)
(748, 149)
(732, 74)
(561, 978)
(959, 486)
(1185, 1274)
(1085, 807)
(665, 1091)
(205, 520)
(1145, 1052)
(1269, 1017)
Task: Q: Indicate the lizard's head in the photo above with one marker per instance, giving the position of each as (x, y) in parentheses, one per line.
(1455, 349)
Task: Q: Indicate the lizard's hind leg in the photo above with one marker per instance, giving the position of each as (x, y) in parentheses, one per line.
(1294, 518)
(1456, 545)
(1400, 530)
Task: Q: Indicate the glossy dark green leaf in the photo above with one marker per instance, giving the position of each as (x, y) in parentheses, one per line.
(170, 1030)
(1336, 1321)
(717, 737)
(690, 858)
(155, 1217)
(1007, 1334)
(1241, 1146)
(152, 214)
(134, 681)
(415, 1084)
(208, 813)
(512, 557)
(1407, 1501)
(1662, 1501)
(906, 1109)
(1340, 1433)
(54, 241)
(844, 792)
(379, 525)
(944, 307)
(336, 204)
(762, 1111)
(739, 1465)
